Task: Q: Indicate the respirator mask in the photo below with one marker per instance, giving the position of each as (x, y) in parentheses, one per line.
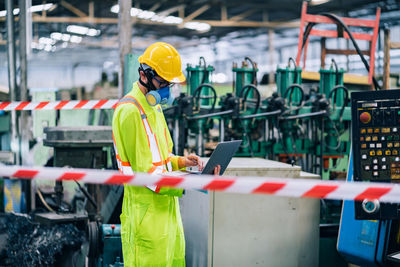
(155, 96)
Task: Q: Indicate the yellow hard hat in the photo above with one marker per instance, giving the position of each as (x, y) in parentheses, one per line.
(165, 60)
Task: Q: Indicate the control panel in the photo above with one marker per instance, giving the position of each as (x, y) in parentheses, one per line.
(376, 147)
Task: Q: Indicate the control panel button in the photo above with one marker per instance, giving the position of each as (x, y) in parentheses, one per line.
(370, 130)
(397, 144)
(375, 138)
(375, 161)
(377, 130)
(375, 174)
(375, 167)
(379, 153)
(364, 145)
(388, 152)
(397, 159)
(383, 138)
(372, 152)
(385, 130)
(389, 144)
(367, 167)
(383, 159)
(383, 167)
(363, 131)
(379, 145)
(368, 138)
(389, 138)
(365, 117)
(394, 130)
(395, 152)
(364, 156)
(372, 145)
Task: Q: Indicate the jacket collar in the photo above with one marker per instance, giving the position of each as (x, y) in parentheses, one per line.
(140, 97)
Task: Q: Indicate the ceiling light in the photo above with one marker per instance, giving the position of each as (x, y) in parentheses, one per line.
(93, 32)
(56, 36)
(37, 8)
(172, 20)
(318, 2)
(150, 15)
(66, 37)
(75, 39)
(115, 9)
(46, 41)
(198, 26)
(77, 29)
(83, 30)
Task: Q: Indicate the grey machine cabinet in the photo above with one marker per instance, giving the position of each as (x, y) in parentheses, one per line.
(230, 229)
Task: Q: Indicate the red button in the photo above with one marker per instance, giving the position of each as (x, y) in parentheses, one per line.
(365, 117)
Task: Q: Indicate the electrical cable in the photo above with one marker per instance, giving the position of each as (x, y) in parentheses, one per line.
(291, 90)
(346, 99)
(339, 21)
(44, 201)
(243, 95)
(198, 90)
(295, 69)
(254, 82)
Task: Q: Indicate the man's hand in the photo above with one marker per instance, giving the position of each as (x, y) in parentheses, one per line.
(194, 160)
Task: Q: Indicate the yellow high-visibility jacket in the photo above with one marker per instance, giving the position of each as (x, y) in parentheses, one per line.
(151, 224)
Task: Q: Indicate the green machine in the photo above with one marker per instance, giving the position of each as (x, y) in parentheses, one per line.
(337, 142)
(244, 75)
(197, 75)
(285, 78)
(204, 100)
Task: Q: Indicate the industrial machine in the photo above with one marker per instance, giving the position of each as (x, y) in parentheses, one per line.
(369, 229)
(87, 147)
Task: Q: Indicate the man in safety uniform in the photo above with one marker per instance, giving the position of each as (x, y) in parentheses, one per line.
(151, 224)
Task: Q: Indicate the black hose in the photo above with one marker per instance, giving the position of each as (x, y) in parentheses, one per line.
(198, 91)
(205, 72)
(291, 90)
(254, 70)
(295, 69)
(336, 72)
(251, 87)
(346, 98)
(339, 21)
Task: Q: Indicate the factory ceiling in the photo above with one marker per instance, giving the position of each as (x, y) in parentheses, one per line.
(94, 23)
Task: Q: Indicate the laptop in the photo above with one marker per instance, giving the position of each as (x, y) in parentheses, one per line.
(222, 155)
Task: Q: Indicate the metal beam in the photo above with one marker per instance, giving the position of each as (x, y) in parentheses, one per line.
(214, 23)
(73, 9)
(224, 12)
(171, 10)
(243, 15)
(125, 38)
(155, 7)
(196, 13)
(91, 9)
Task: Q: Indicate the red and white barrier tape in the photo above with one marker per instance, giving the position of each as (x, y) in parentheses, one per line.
(299, 188)
(64, 105)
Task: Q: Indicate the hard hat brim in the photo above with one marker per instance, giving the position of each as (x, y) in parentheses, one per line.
(180, 79)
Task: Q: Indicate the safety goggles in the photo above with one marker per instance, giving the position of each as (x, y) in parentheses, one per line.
(163, 83)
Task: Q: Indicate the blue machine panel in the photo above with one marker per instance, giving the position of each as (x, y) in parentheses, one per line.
(360, 242)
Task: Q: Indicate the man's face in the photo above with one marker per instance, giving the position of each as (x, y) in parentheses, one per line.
(157, 81)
